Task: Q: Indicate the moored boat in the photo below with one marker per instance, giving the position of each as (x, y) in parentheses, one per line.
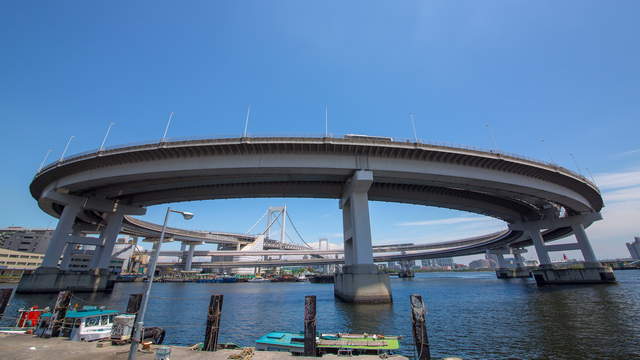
(285, 278)
(86, 324)
(321, 279)
(26, 321)
(342, 344)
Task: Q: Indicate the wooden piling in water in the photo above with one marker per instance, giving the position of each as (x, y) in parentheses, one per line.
(133, 306)
(420, 336)
(213, 323)
(310, 326)
(59, 313)
(5, 295)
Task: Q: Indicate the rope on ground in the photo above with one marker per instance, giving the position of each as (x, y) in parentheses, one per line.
(245, 354)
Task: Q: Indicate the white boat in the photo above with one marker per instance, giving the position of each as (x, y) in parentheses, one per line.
(86, 324)
(258, 279)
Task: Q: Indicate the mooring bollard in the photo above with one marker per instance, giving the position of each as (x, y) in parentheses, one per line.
(213, 323)
(58, 314)
(5, 295)
(420, 336)
(310, 325)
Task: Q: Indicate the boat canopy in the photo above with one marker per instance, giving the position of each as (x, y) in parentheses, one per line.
(82, 313)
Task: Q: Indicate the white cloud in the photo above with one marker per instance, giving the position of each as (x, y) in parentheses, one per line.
(622, 195)
(620, 215)
(332, 246)
(627, 153)
(618, 179)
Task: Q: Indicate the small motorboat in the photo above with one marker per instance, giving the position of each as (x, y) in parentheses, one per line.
(258, 279)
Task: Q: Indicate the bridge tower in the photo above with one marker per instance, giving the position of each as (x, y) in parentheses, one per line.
(359, 281)
(277, 214)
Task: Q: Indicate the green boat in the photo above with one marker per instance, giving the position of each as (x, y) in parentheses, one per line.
(341, 344)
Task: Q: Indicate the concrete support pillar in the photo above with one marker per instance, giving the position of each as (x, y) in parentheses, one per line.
(519, 259)
(361, 228)
(183, 248)
(189, 259)
(538, 243)
(59, 237)
(347, 233)
(108, 239)
(359, 281)
(583, 242)
(66, 257)
(68, 252)
(501, 262)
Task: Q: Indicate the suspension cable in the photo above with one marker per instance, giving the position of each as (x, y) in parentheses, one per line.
(297, 232)
(273, 222)
(257, 222)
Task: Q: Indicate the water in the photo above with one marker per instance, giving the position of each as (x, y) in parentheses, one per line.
(470, 315)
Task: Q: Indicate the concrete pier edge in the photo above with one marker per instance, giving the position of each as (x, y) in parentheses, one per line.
(53, 280)
(363, 284)
(590, 273)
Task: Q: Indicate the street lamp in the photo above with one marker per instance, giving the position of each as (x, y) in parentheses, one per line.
(137, 337)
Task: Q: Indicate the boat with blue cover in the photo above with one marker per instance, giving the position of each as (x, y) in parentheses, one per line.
(340, 343)
(86, 324)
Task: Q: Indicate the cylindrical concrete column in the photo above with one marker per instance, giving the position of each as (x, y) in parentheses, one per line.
(538, 243)
(189, 259)
(59, 237)
(109, 237)
(583, 242)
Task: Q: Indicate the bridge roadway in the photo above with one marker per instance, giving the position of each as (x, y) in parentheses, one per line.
(540, 202)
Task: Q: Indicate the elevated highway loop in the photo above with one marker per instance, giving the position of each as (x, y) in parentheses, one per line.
(93, 190)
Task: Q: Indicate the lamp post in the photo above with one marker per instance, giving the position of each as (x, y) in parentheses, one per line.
(137, 336)
(104, 140)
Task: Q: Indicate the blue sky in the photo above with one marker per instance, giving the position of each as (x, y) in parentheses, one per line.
(549, 78)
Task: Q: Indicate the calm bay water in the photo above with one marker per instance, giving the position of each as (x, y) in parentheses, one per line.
(470, 315)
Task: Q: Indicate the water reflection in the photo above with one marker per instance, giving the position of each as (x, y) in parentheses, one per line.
(369, 318)
(470, 315)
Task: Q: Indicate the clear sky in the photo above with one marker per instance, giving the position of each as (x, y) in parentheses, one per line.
(549, 78)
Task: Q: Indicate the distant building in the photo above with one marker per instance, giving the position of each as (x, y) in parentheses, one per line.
(14, 263)
(634, 248)
(393, 265)
(482, 264)
(531, 263)
(121, 256)
(23, 239)
(436, 263)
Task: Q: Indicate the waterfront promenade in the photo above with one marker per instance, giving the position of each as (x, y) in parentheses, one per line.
(29, 347)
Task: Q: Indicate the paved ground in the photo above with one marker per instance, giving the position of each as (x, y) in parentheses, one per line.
(23, 347)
